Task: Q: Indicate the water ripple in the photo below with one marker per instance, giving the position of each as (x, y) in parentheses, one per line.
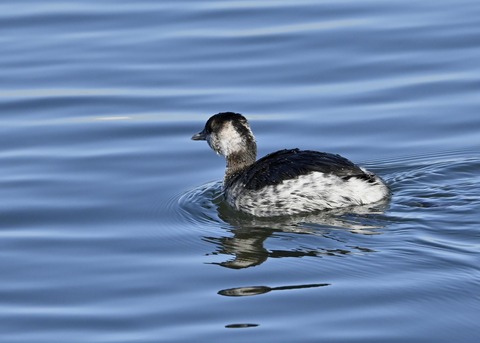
(105, 204)
(243, 236)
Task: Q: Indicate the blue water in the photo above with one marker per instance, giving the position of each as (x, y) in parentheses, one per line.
(112, 226)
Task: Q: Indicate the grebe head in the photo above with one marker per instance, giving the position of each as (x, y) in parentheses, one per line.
(229, 135)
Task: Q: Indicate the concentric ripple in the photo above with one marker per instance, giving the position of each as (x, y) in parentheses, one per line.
(200, 205)
(239, 240)
(419, 187)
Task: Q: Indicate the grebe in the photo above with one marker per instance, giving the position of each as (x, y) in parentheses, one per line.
(285, 182)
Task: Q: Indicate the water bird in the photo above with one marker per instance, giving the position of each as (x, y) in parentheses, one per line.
(289, 181)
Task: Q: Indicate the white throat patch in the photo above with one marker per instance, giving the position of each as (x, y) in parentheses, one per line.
(229, 140)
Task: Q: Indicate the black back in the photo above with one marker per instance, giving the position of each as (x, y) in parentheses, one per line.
(288, 164)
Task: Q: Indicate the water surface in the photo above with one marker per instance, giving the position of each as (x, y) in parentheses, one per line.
(112, 225)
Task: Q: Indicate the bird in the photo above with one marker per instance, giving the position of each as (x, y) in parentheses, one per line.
(286, 182)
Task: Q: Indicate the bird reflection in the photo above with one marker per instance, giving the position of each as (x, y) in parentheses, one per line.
(247, 234)
(257, 290)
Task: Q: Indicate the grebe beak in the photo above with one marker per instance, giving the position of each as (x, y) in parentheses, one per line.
(201, 136)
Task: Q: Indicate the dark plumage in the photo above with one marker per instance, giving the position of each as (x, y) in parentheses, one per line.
(286, 164)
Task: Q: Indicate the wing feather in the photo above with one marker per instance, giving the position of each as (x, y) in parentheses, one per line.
(289, 164)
